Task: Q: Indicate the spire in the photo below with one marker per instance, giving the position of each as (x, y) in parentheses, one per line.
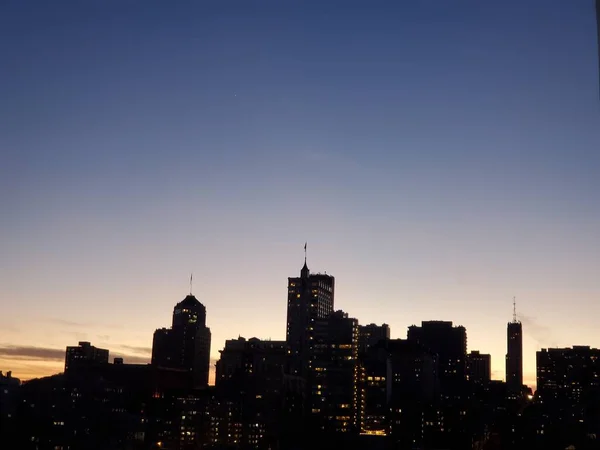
(304, 272)
(514, 310)
(191, 280)
(305, 252)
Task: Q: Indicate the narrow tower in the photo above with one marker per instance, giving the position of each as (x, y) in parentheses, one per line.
(186, 345)
(310, 297)
(514, 353)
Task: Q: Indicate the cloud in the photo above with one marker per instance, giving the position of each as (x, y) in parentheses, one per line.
(131, 359)
(497, 375)
(35, 361)
(540, 333)
(68, 323)
(32, 353)
(137, 350)
(85, 325)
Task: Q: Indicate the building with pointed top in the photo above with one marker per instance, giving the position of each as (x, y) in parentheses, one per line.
(514, 354)
(186, 345)
(310, 298)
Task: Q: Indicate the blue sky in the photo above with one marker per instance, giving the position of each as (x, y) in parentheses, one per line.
(439, 158)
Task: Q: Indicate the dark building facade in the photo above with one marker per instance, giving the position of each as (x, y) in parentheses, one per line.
(84, 353)
(250, 388)
(334, 374)
(479, 367)
(373, 390)
(252, 356)
(9, 401)
(186, 345)
(412, 388)
(449, 343)
(102, 406)
(567, 407)
(514, 356)
(399, 385)
(369, 335)
(567, 375)
(310, 298)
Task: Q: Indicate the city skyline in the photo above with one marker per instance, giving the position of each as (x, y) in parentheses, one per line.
(529, 379)
(439, 160)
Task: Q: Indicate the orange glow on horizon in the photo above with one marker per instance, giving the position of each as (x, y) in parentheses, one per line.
(29, 369)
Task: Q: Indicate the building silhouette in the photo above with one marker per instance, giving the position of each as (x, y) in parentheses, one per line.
(514, 355)
(9, 402)
(479, 367)
(102, 406)
(84, 353)
(369, 335)
(186, 345)
(449, 343)
(412, 387)
(331, 384)
(250, 385)
(335, 405)
(567, 397)
(567, 375)
(373, 390)
(310, 298)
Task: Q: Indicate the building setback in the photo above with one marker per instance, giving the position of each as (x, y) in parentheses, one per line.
(186, 345)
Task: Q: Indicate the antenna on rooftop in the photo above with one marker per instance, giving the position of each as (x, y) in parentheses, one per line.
(514, 309)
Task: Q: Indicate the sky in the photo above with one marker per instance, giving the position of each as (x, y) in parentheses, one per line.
(438, 157)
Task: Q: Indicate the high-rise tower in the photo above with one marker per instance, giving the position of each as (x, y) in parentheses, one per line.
(310, 297)
(514, 354)
(186, 345)
(449, 342)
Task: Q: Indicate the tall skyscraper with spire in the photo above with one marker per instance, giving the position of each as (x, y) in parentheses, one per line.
(310, 297)
(514, 354)
(186, 345)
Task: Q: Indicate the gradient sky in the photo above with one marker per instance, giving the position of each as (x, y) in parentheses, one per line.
(439, 158)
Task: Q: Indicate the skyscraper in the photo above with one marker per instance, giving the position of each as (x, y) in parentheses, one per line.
(568, 376)
(514, 355)
(450, 344)
(334, 373)
(249, 381)
(479, 367)
(310, 297)
(186, 345)
(369, 335)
